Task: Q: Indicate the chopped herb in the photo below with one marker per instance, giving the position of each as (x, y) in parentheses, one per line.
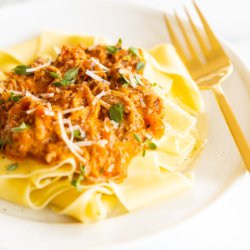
(1, 101)
(55, 75)
(102, 170)
(77, 135)
(155, 84)
(120, 41)
(127, 82)
(9, 141)
(116, 112)
(111, 49)
(134, 51)
(76, 182)
(2, 143)
(70, 74)
(137, 137)
(147, 142)
(21, 70)
(66, 80)
(14, 97)
(12, 167)
(140, 65)
(127, 58)
(138, 80)
(21, 128)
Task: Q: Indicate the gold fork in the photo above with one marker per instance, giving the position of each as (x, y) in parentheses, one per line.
(211, 75)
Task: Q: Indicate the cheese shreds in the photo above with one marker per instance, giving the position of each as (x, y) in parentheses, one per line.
(71, 130)
(66, 139)
(34, 97)
(57, 50)
(102, 143)
(49, 95)
(30, 111)
(111, 167)
(50, 113)
(96, 77)
(97, 97)
(99, 64)
(77, 127)
(16, 92)
(114, 123)
(64, 121)
(49, 106)
(38, 67)
(123, 71)
(71, 110)
(143, 105)
(132, 80)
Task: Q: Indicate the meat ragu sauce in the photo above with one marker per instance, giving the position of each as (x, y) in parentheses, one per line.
(42, 140)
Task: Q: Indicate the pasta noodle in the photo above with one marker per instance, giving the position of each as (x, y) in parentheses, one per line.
(150, 178)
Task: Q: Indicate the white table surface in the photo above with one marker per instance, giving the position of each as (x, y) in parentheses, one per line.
(225, 224)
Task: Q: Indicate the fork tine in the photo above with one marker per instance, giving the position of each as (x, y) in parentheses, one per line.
(175, 41)
(198, 35)
(190, 46)
(214, 42)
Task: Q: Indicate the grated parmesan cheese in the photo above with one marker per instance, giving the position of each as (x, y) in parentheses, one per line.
(34, 97)
(65, 138)
(97, 97)
(102, 143)
(50, 113)
(99, 64)
(114, 123)
(57, 50)
(38, 67)
(142, 103)
(132, 80)
(111, 167)
(30, 111)
(96, 77)
(47, 95)
(71, 110)
(16, 92)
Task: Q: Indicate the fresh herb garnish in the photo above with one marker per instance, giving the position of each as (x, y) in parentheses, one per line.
(3, 142)
(111, 49)
(155, 84)
(12, 167)
(127, 58)
(66, 80)
(21, 128)
(127, 82)
(102, 170)
(1, 101)
(76, 182)
(77, 135)
(116, 112)
(120, 41)
(21, 70)
(14, 97)
(134, 51)
(138, 80)
(140, 65)
(147, 142)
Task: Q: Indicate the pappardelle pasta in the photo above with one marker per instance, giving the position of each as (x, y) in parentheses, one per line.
(85, 124)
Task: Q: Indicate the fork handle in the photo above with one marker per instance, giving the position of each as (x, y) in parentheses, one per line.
(233, 125)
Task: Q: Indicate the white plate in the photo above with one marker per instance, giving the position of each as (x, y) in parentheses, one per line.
(218, 167)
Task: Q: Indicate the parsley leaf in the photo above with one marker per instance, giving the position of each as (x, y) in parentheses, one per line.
(21, 128)
(137, 137)
(76, 184)
(116, 112)
(2, 143)
(120, 41)
(55, 75)
(155, 84)
(127, 82)
(70, 74)
(12, 167)
(147, 142)
(111, 49)
(134, 51)
(140, 65)
(77, 135)
(14, 97)
(66, 80)
(21, 70)
(1, 101)
(138, 80)
(102, 170)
